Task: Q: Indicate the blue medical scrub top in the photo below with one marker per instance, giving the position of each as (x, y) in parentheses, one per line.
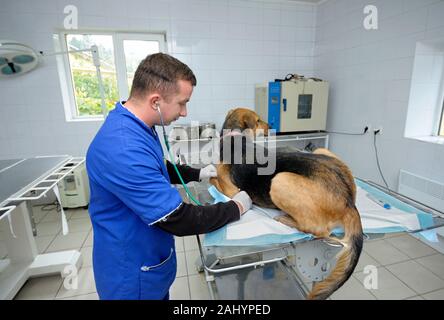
(130, 191)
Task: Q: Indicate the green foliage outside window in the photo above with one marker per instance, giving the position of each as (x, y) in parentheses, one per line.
(87, 92)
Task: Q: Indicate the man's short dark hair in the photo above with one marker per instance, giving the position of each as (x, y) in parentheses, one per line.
(160, 72)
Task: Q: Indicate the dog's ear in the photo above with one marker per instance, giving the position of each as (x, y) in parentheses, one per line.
(230, 122)
(249, 121)
(229, 113)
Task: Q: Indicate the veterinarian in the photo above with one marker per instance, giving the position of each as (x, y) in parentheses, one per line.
(134, 209)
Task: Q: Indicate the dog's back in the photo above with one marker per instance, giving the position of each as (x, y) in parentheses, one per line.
(329, 172)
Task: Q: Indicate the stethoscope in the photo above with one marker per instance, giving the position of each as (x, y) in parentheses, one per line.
(165, 139)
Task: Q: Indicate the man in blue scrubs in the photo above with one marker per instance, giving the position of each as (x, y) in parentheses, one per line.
(134, 209)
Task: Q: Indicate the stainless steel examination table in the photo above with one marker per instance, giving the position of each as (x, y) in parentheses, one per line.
(278, 271)
(21, 181)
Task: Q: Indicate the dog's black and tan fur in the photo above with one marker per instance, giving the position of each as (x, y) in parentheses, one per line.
(316, 191)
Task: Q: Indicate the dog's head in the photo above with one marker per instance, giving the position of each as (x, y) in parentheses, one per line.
(243, 119)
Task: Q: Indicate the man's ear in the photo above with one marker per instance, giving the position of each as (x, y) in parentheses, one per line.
(153, 100)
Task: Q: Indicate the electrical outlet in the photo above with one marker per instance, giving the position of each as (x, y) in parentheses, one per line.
(369, 126)
(378, 130)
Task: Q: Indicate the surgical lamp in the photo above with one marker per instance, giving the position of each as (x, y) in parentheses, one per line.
(17, 58)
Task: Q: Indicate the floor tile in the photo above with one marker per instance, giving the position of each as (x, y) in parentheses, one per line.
(190, 243)
(48, 228)
(415, 298)
(434, 263)
(384, 253)
(79, 225)
(193, 257)
(42, 288)
(198, 287)
(411, 246)
(352, 290)
(388, 287)
(416, 276)
(181, 264)
(43, 242)
(3, 250)
(90, 296)
(73, 240)
(38, 215)
(53, 216)
(435, 295)
(180, 289)
(86, 256)
(365, 260)
(79, 214)
(179, 244)
(89, 240)
(85, 285)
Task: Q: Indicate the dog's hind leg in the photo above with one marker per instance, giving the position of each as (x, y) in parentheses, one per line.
(305, 202)
(345, 171)
(325, 152)
(317, 210)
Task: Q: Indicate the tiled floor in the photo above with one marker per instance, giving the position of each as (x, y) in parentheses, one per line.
(406, 267)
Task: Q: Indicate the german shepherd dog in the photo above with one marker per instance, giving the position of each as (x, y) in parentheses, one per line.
(315, 190)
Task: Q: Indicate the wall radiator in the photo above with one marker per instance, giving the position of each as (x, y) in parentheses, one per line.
(421, 189)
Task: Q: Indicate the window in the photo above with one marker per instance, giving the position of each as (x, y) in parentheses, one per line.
(425, 119)
(120, 54)
(441, 126)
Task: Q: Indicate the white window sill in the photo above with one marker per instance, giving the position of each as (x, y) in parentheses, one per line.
(86, 119)
(431, 139)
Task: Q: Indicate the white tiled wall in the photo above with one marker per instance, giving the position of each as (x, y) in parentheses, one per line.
(370, 75)
(229, 44)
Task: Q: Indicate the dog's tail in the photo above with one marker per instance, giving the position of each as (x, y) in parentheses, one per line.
(347, 258)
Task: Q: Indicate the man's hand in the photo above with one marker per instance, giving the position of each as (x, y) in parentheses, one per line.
(207, 172)
(243, 201)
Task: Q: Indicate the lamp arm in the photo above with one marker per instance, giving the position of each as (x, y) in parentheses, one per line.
(96, 60)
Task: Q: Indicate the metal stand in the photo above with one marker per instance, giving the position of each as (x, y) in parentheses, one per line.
(23, 181)
(23, 259)
(284, 270)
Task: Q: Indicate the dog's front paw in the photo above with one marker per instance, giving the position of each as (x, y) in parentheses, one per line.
(214, 182)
